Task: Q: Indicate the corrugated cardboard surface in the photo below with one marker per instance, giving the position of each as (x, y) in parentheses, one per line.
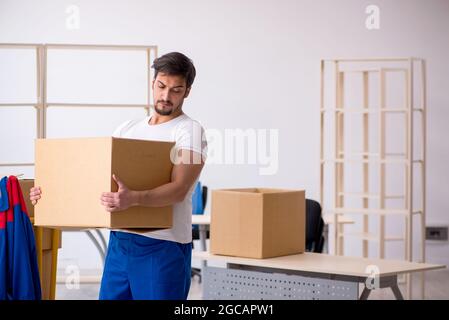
(73, 173)
(284, 223)
(150, 167)
(257, 222)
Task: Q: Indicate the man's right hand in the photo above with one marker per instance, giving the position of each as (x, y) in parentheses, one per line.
(35, 195)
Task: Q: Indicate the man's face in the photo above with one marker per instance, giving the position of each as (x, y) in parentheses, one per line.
(169, 92)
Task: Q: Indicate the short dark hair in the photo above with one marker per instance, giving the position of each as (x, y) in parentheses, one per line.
(175, 63)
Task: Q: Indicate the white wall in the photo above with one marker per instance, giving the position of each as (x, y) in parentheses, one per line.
(258, 67)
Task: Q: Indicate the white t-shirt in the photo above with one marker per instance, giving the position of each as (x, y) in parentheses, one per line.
(187, 134)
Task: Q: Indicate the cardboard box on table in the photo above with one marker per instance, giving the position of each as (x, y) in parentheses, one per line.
(73, 173)
(257, 222)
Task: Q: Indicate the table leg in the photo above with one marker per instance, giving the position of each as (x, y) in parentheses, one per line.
(384, 282)
(203, 235)
(397, 293)
(365, 294)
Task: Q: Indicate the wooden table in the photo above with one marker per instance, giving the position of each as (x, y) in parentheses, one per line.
(322, 271)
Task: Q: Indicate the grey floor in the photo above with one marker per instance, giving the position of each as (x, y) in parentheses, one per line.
(437, 288)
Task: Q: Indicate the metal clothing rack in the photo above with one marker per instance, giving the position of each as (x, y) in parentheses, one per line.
(333, 114)
(41, 106)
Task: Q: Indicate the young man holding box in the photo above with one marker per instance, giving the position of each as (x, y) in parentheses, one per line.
(157, 264)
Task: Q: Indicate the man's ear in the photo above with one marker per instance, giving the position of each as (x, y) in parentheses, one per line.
(187, 92)
(152, 84)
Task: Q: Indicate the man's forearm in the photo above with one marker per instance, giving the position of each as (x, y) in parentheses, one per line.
(165, 195)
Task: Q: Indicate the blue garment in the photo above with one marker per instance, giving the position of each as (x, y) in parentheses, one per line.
(4, 201)
(143, 268)
(4, 205)
(19, 273)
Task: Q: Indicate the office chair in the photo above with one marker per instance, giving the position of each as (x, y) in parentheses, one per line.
(199, 200)
(314, 227)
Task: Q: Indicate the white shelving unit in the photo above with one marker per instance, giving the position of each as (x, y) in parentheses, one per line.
(337, 154)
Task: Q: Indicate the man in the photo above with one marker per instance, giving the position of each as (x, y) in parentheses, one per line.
(157, 264)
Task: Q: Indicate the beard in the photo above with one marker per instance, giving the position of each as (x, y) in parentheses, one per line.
(164, 112)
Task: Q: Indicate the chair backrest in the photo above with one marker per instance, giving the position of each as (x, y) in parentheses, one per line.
(314, 226)
(204, 192)
(198, 202)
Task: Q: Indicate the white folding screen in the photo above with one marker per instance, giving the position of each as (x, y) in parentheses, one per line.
(58, 90)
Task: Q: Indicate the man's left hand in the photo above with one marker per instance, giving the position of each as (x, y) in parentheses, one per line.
(120, 200)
